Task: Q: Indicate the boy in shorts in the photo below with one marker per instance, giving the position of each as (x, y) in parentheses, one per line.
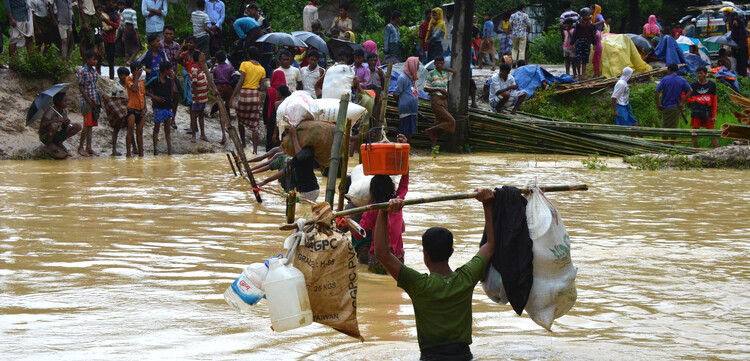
(569, 48)
(159, 88)
(703, 111)
(136, 88)
(90, 102)
(199, 87)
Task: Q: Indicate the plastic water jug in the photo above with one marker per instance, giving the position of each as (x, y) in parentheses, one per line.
(247, 289)
(287, 297)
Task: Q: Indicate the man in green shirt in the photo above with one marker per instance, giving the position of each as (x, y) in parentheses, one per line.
(437, 86)
(279, 163)
(442, 299)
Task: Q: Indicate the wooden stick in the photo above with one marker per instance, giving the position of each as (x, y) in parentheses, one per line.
(229, 158)
(386, 90)
(291, 206)
(448, 197)
(344, 163)
(231, 130)
(336, 149)
(236, 161)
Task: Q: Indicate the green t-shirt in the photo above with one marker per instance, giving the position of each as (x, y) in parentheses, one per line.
(279, 164)
(442, 304)
(438, 79)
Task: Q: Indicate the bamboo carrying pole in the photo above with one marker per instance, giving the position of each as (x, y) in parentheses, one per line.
(232, 130)
(344, 163)
(448, 197)
(336, 149)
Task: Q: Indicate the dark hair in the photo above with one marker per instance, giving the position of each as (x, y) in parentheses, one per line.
(343, 53)
(372, 56)
(221, 56)
(191, 38)
(382, 189)
(568, 21)
(197, 55)
(566, 4)
(252, 6)
(283, 52)
(520, 63)
(396, 14)
(505, 67)
(89, 54)
(135, 66)
(438, 243)
(359, 52)
(120, 2)
(428, 11)
(230, 19)
(722, 52)
(521, 6)
(283, 90)
(672, 67)
(252, 53)
(313, 53)
(344, 6)
(701, 68)
(169, 27)
(123, 71)
(129, 3)
(58, 98)
(150, 39)
(488, 14)
(438, 58)
(200, 4)
(164, 66)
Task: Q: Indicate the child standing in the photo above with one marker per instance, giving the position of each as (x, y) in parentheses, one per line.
(136, 88)
(160, 90)
(583, 34)
(199, 86)
(222, 73)
(87, 79)
(488, 40)
(293, 75)
(201, 26)
(569, 49)
(153, 58)
(311, 73)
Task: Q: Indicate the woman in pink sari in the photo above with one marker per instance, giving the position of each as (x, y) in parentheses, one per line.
(269, 108)
(598, 49)
(371, 47)
(651, 29)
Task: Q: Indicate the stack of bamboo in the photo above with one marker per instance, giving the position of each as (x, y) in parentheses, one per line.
(601, 82)
(742, 116)
(735, 131)
(493, 132)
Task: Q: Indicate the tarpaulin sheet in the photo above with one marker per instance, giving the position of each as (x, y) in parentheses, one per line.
(670, 52)
(619, 52)
(530, 77)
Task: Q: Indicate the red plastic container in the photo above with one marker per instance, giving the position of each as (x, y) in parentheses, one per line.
(385, 158)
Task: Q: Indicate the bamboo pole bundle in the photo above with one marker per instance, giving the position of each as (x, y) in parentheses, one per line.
(740, 100)
(735, 131)
(596, 84)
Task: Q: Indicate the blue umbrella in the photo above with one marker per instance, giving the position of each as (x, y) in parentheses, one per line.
(312, 40)
(39, 105)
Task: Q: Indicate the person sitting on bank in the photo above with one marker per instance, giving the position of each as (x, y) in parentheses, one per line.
(55, 127)
(504, 90)
(442, 298)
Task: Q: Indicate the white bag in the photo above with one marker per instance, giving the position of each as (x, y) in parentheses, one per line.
(359, 190)
(492, 284)
(329, 110)
(553, 293)
(297, 107)
(338, 81)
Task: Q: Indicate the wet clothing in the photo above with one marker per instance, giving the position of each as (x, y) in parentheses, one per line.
(163, 90)
(442, 304)
(303, 164)
(289, 180)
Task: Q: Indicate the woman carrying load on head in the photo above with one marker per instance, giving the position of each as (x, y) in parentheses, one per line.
(436, 34)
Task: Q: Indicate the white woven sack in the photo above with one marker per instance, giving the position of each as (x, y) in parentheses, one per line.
(294, 109)
(553, 293)
(329, 110)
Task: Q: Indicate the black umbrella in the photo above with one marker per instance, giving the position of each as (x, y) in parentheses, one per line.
(281, 39)
(640, 41)
(336, 45)
(312, 40)
(725, 39)
(39, 105)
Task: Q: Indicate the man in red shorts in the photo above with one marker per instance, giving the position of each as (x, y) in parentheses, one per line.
(703, 111)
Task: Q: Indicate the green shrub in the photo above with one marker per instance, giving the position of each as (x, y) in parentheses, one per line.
(40, 65)
(547, 49)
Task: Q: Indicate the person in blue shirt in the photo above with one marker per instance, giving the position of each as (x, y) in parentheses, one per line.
(488, 40)
(671, 88)
(215, 11)
(154, 11)
(392, 39)
(406, 95)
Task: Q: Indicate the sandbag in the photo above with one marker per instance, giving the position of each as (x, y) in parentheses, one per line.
(329, 110)
(329, 264)
(316, 134)
(338, 81)
(553, 293)
(294, 109)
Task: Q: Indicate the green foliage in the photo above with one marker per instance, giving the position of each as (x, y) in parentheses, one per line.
(663, 161)
(547, 49)
(179, 17)
(594, 163)
(40, 65)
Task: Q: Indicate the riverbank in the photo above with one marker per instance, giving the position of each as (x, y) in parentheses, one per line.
(22, 142)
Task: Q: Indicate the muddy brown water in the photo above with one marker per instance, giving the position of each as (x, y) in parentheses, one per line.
(128, 259)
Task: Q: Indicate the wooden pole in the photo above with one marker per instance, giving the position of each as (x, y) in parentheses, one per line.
(229, 158)
(336, 149)
(232, 130)
(344, 163)
(448, 197)
(291, 205)
(236, 161)
(458, 88)
(384, 103)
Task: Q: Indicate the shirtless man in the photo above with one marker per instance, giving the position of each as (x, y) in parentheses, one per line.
(55, 127)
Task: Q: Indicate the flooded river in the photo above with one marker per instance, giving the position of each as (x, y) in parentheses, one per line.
(120, 259)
